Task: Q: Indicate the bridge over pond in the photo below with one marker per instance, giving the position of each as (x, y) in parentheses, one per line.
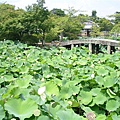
(93, 44)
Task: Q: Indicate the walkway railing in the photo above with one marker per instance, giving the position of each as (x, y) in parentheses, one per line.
(93, 44)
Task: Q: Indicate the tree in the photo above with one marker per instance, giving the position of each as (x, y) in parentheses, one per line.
(73, 25)
(116, 29)
(71, 12)
(116, 17)
(94, 13)
(41, 3)
(72, 28)
(64, 26)
(38, 16)
(58, 25)
(105, 25)
(83, 18)
(58, 12)
(95, 31)
(10, 22)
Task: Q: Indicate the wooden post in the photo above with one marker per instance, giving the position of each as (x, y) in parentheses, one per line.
(109, 49)
(90, 48)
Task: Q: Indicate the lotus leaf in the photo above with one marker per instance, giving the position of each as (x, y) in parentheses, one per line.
(22, 109)
(86, 97)
(112, 105)
(68, 115)
(2, 112)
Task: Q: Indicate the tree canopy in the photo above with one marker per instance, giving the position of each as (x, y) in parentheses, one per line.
(116, 28)
(36, 23)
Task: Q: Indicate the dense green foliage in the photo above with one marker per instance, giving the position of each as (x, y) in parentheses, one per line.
(117, 16)
(37, 24)
(116, 29)
(58, 84)
(58, 12)
(105, 25)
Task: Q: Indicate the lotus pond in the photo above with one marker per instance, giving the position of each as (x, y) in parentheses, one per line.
(58, 84)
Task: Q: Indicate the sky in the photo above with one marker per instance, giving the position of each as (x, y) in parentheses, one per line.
(104, 8)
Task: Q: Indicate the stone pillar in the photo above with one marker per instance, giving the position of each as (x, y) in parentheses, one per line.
(79, 45)
(90, 48)
(72, 45)
(109, 49)
(61, 36)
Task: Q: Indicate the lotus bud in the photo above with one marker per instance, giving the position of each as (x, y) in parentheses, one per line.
(41, 90)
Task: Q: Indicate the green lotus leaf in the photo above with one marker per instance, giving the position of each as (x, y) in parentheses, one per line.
(112, 105)
(75, 104)
(9, 78)
(99, 80)
(115, 117)
(22, 109)
(118, 73)
(53, 110)
(117, 64)
(58, 81)
(46, 53)
(95, 91)
(19, 63)
(36, 98)
(92, 103)
(2, 70)
(65, 93)
(24, 69)
(15, 69)
(51, 88)
(27, 77)
(101, 117)
(23, 93)
(74, 57)
(5, 64)
(1, 79)
(2, 90)
(86, 109)
(31, 59)
(109, 81)
(111, 93)
(36, 67)
(8, 91)
(100, 99)
(2, 113)
(43, 118)
(67, 115)
(74, 89)
(86, 97)
(45, 68)
(22, 83)
(68, 53)
(102, 71)
(51, 63)
(82, 62)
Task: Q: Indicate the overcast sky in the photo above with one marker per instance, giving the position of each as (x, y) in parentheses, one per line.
(103, 7)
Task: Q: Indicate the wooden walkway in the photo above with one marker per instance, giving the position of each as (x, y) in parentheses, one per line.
(93, 44)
